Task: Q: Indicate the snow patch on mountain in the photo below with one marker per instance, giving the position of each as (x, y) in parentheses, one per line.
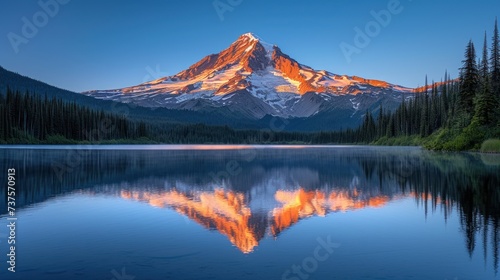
(277, 84)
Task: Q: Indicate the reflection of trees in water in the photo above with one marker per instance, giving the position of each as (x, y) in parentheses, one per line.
(39, 174)
(466, 182)
(39, 171)
(463, 181)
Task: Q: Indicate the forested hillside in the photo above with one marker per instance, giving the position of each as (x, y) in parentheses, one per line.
(453, 114)
(456, 115)
(26, 118)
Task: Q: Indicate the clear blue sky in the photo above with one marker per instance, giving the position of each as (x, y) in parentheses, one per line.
(95, 44)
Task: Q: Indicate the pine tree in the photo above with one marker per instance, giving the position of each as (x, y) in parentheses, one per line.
(424, 118)
(484, 70)
(469, 80)
(380, 122)
(485, 103)
(495, 62)
(444, 101)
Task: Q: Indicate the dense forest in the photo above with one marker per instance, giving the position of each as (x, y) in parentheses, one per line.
(451, 115)
(454, 114)
(27, 118)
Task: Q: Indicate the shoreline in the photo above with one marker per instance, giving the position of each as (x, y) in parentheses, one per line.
(213, 146)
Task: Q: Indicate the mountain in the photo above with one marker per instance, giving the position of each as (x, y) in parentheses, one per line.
(17, 82)
(221, 116)
(255, 80)
(250, 85)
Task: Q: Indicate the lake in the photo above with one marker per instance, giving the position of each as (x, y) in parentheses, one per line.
(244, 212)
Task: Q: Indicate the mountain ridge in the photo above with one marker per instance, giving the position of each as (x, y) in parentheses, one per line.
(254, 78)
(251, 84)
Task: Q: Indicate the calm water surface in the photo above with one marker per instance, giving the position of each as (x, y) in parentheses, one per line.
(239, 212)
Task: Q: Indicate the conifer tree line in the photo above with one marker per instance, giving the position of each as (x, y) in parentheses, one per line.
(428, 111)
(30, 118)
(451, 115)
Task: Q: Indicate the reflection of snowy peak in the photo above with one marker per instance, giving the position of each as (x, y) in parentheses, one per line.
(267, 209)
(256, 79)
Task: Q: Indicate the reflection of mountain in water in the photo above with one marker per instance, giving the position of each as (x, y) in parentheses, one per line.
(259, 192)
(229, 213)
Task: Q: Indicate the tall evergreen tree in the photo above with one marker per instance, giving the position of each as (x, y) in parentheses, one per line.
(495, 61)
(469, 79)
(444, 101)
(484, 69)
(485, 103)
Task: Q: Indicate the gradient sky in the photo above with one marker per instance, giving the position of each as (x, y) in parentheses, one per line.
(95, 44)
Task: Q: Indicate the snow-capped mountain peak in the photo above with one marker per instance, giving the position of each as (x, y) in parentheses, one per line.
(251, 36)
(254, 78)
(254, 37)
